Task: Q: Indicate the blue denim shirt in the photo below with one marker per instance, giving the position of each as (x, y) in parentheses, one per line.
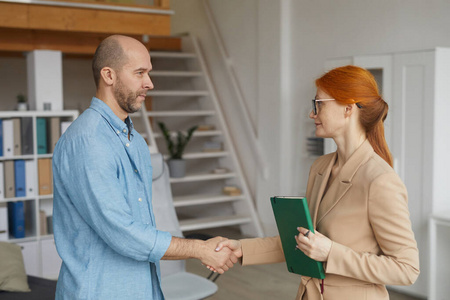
(102, 212)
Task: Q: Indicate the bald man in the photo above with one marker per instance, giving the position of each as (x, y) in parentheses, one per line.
(103, 220)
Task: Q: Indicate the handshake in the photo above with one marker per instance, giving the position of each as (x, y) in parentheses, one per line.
(220, 254)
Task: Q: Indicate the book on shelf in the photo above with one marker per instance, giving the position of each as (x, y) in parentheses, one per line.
(4, 234)
(1, 137)
(2, 181)
(17, 138)
(8, 142)
(19, 178)
(54, 132)
(30, 178)
(43, 222)
(41, 132)
(16, 218)
(231, 191)
(45, 176)
(27, 136)
(212, 146)
(50, 224)
(205, 127)
(10, 187)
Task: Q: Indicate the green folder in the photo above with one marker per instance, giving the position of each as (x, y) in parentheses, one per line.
(290, 213)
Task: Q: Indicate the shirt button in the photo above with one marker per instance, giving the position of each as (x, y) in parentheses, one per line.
(124, 130)
(135, 171)
(127, 144)
(118, 131)
(140, 199)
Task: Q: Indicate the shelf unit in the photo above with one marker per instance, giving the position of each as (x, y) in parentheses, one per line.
(39, 251)
(184, 96)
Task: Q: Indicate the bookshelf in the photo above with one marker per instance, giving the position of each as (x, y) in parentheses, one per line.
(33, 186)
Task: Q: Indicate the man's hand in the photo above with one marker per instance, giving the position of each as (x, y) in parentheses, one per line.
(227, 245)
(218, 261)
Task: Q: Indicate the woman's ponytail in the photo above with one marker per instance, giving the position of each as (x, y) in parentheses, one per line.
(376, 136)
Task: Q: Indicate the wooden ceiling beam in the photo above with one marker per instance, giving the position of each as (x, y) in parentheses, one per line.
(60, 18)
(77, 43)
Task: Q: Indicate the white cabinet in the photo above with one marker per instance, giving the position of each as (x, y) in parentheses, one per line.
(51, 262)
(416, 85)
(30, 257)
(38, 248)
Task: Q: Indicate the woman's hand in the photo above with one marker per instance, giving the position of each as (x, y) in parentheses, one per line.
(314, 245)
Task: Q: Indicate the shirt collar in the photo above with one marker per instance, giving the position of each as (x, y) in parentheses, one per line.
(116, 123)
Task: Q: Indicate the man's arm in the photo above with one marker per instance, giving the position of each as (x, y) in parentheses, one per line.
(205, 251)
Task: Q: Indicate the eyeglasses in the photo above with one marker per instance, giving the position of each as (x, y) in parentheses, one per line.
(314, 104)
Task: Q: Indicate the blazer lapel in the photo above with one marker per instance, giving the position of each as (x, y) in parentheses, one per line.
(343, 181)
(320, 183)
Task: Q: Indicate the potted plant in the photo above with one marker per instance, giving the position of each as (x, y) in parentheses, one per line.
(21, 102)
(176, 145)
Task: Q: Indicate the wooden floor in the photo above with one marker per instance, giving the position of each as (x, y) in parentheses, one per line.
(257, 282)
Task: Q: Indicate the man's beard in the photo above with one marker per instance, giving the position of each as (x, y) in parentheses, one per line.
(126, 99)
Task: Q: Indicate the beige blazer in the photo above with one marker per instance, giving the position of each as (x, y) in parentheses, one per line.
(365, 214)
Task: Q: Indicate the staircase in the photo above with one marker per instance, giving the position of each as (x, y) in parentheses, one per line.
(183, 97)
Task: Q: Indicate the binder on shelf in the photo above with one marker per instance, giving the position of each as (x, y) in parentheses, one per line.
(54, 132)
(8, 136)
(43, 222)
(64, 126)
(2, 182)
(45, 176)
(17, 137)
(41, 132)
(3, 222)
(50, 224)
(27, 136)
(16, 219)
(10, 188)
(1, 137)
(19, 176)
(30, 178)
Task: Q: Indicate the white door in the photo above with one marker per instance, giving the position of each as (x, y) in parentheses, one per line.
(413, 95)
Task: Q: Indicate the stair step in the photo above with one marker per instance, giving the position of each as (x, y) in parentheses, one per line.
(195, 134)
(175, 74)
(172, 54)
(212, 222)
(182, 201)
(178, 93)
(181, 113)
(202, 177)
(197, 155)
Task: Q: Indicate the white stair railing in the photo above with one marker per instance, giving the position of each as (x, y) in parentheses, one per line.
(251, 128)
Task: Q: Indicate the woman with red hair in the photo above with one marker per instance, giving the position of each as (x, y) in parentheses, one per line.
(357, 202)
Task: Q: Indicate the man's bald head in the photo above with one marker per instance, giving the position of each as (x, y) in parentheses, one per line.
(110, 53)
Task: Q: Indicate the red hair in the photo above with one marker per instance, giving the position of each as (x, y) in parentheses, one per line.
(351, 84)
